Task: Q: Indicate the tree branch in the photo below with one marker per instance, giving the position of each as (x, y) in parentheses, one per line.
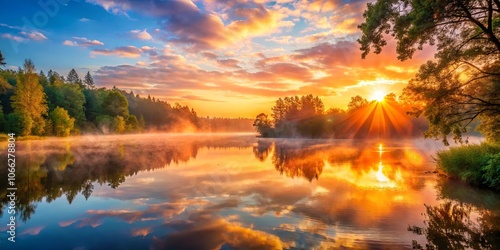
(490, 34)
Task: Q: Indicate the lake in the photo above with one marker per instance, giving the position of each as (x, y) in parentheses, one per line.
(236, 191)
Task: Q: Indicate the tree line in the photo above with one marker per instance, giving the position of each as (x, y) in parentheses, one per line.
(50, 104)
(306, 116)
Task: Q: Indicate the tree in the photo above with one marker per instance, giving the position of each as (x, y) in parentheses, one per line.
(61, 121)
(43, 79)
(463, 82)
(16, 123)
(263, 125)
(2, 59)
(67, 96)
(29, 100)
(88, 82)
(115, 103)
(73, 77)
(131, 124)
(142, 123)
(356, 103)
(118, 125)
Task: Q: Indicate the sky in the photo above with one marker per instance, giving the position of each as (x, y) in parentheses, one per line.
(224, 58)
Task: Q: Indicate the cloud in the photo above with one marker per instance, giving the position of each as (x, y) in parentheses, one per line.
(213, 233)
(33, 230)
(125, 51)
(24, 36)
(34, 35)
(82, 42)
(182, 22)
(198, 98)
(209, 55)
(143, 35)
(83, 19)
(228, 63)
(13, 37)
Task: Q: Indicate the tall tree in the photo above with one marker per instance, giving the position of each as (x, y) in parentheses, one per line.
(88, 82)
(73, 77)
(29, 100)
(463, 82)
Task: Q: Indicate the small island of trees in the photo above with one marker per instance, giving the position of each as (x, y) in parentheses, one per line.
(305, 116)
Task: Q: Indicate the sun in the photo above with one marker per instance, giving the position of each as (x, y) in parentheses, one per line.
(378, 96)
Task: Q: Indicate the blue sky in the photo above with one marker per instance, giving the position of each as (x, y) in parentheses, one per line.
(214, 55)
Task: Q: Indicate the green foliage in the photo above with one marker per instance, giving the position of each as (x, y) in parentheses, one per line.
(462, 83)
(32, 97)
(62, 123)
(104, 123)
(115, 103)
(18, 123)
(131, 124)
(93, 103)
(476, 164)
(492, 172)
(88, 81)
(67, 96)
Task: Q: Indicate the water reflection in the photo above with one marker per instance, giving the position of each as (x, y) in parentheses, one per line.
(48, 170)
(362, 165)
(465, 219)
(227, 192)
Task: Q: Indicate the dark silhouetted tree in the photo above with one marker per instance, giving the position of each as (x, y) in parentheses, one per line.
(356, 103)
(88, 81)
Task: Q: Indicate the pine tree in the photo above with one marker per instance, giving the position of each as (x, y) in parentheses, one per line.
(88, 81)
(73, 77)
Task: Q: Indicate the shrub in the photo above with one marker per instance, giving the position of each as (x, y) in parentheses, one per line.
(477, 164)
(62, 123)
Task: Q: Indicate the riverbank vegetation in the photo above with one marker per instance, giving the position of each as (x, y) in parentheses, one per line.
(478, 164)
(460, 86)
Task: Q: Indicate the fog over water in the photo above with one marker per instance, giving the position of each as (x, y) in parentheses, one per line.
(237, 191)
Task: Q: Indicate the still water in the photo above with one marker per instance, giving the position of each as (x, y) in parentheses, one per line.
(236, 191)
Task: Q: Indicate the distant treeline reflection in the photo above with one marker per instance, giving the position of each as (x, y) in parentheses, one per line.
(48, 170)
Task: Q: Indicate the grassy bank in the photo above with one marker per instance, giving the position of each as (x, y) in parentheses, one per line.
(477, 164)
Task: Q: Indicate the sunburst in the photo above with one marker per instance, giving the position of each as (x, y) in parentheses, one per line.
(378, 96)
